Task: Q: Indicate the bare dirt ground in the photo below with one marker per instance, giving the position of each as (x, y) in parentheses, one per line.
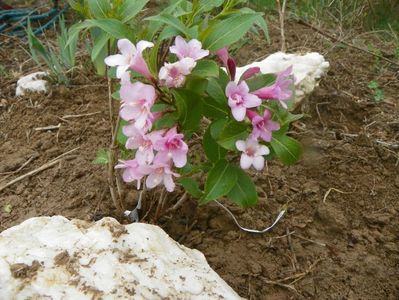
(340, 237)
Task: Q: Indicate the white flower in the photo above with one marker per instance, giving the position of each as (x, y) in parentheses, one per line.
(252, 154)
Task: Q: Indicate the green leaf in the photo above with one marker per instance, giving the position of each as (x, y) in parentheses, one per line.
(217, 127)
(259, 81)
(196, 84)
(120, 137)
(232, 132)
(99, 8)
(160, 107)
(129, 9)
(214, 109)
(100, 43)
(189, 107)
(207, 5)
(168, 32)
(102, 157)
(206, 69)
(191, 186)
(260, 21)
(114, 28)
(116, 95)
(215, 91)
(221, 179)
(212, 150)
(171, 21)
(244, 191)
(166, 121)
(228, 31)
(287, 149)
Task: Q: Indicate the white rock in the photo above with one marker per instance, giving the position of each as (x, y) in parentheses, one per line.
(307, 69)
(54, 258)
(32, 83)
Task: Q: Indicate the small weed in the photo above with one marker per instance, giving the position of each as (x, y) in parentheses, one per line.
(60, 61)
(378, 93)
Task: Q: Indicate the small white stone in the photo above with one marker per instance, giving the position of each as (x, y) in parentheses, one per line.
(62, 259)
(32, 83)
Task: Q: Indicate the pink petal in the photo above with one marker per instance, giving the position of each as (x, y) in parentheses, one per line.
(121, 70)
(241, 146)
(243, 87)
(179, 158)
(186, 65)
(142, 45)
(168, 182)
(249, 73)
(239, 113)
(223, 55)
(259, 162)
(231, 88)
(252, 101)
(115, 60)
(128, 113)
(266, 135)
(263, 150)
(140, 66)
(245, 161)
(153, 180)
(126, 47)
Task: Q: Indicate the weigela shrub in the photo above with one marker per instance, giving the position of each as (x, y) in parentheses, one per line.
(186, 118)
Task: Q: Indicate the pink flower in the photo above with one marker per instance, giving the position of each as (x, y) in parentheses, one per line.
(160, 172)
(137, 100)
(223, 55)
(240, 99)
(228, 62)
(174, 75)
(250, 73)
(280, 90)
(144, 143)
(172, 146)
(130, 57)
(262, 126)
(192, 49)
(252, 154)
(132, 171)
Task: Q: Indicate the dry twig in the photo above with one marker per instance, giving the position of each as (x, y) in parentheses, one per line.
(281, 13)
(81, 115)
(329, 191)
(51, 127)
(35, 171)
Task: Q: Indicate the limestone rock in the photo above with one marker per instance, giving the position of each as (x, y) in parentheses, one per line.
(54, 258)
(32, 83)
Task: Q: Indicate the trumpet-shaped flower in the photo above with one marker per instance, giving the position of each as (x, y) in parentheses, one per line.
(144, 143)
(132, 171)
(252, 154)
(130, 58)
(137, 100)
(240, 99)
(160, 173)
(172, 146)
(262, 126)
(192, 49)
(174, 75)
(280, 90)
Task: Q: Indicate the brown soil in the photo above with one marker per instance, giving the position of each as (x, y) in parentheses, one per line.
(343, 213)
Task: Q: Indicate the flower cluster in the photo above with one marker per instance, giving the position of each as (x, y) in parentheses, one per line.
(156, 151)
(241, 101)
